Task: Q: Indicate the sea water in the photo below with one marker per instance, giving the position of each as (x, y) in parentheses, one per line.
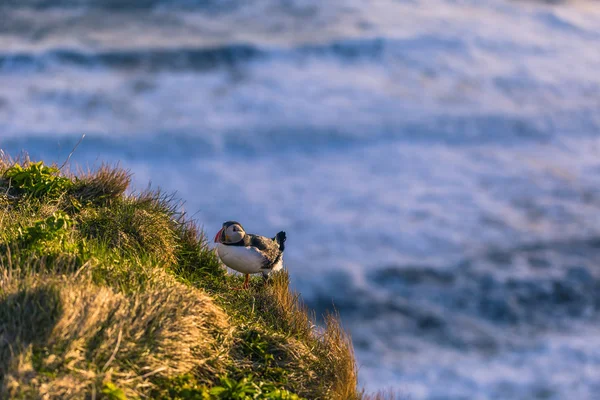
(435, 163)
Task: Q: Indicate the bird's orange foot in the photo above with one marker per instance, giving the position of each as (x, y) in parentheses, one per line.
(246, 285)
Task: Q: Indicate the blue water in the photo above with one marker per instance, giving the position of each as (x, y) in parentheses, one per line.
(434, 162)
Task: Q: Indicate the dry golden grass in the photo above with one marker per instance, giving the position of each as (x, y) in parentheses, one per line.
(293, 316)
(6, 161)
(63, 335)
(332, 355)
(101, 186)
(340, 363)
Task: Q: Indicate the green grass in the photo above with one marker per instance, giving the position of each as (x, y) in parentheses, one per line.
(114, 295)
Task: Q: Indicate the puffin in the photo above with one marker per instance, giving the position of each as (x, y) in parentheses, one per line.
(248, 253)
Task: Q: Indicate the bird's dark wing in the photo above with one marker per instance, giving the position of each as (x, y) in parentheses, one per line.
(269, 247)
(263, 243)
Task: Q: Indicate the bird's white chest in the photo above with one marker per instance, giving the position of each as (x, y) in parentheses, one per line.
(247, 260)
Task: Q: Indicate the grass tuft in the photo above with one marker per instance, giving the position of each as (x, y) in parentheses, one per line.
(337, 359)
(102, 186)
(195, 260)
(134, 226)
(86, 335)
(290, 313)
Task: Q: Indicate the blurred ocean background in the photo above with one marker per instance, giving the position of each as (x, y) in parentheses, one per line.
(436, 163)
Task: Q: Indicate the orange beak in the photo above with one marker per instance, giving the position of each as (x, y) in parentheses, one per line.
(218, 236)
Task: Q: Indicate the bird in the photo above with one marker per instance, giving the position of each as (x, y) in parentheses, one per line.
(248, 253)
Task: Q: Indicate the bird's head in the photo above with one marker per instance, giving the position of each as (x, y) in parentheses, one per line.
(231, 232)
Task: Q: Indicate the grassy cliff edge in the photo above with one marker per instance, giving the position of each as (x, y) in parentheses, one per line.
(105, 294)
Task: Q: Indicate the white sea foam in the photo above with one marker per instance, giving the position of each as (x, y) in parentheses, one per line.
(435, 163)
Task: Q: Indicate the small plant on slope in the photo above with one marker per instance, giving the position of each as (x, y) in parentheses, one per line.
(37, 180)
(235, 390)
(112, 392)
(247, 389)
(55, 227)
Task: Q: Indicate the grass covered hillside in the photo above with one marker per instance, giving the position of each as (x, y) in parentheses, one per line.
(105, 294)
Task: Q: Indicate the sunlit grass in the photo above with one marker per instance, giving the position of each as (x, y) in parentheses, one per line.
(108, 293)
